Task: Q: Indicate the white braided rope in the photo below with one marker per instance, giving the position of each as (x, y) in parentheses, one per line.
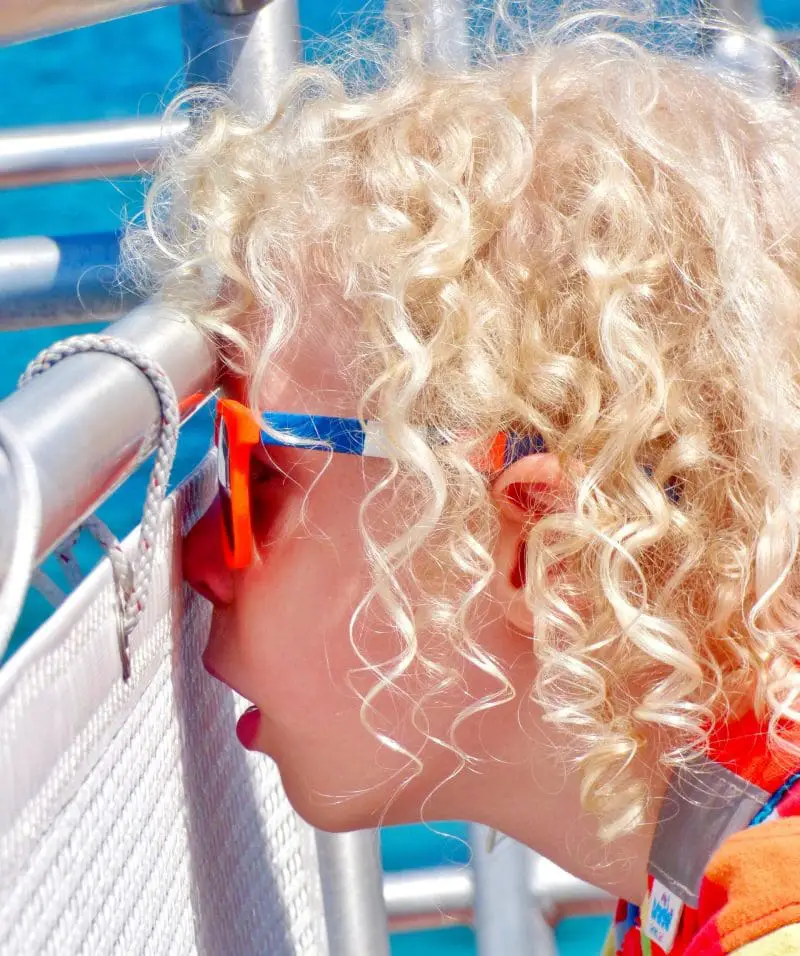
(132, 576)
(67, 560)
(26, 533)
(65, 555)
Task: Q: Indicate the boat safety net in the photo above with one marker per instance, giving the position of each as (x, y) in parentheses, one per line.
(131, 821)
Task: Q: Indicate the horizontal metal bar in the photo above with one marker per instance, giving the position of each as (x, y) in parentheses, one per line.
(737, 11)
(426, 892)
(233, 8)
(553, 888)
(87, 421)
(437, 896)
(23, 20)
(73, 151)
(54, 281)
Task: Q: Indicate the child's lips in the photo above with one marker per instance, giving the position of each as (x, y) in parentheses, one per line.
(247, 727)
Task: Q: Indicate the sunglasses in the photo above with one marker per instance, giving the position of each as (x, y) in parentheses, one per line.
(238, 432)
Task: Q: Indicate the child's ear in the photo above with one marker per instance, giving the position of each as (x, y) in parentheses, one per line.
(526, 491)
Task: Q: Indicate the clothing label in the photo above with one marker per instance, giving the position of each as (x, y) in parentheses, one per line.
(663, 916)
(704, 804)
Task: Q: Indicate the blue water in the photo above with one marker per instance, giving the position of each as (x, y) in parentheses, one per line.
(132, 67)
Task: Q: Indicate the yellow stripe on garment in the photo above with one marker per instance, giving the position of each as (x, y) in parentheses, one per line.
(783, 942)
(610, 945)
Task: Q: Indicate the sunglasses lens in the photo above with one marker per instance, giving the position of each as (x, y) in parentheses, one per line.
(223, 476)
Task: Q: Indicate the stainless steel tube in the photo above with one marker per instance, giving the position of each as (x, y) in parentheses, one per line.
(45, 281)
(448, 34)
(743, 52)
(440, 890)
(507, 919)
(232, 8)
(85, 421)
(249, 52)
(24, 20)
(49, 154)
(737, 11)
(445, 895)
(352, 892)
(252, 51)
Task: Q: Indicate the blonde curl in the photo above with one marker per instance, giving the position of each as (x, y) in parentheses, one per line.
(576, 237)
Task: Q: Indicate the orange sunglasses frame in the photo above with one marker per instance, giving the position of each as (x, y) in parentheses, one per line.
(243, 433)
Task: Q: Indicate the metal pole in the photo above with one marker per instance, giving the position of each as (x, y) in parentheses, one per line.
(552, 888)
(352, 892)
(742, 53)
(23, 20)
(46, 281)
(73, 151)
(446, 894)
(506, 919)
(87, 420)
(448, 32)
(247, 51)
(736, 11)
(441, 890)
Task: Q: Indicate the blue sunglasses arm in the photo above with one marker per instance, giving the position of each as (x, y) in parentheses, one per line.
(317, 432)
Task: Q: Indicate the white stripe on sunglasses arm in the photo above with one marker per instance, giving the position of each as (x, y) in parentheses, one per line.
(375, 445)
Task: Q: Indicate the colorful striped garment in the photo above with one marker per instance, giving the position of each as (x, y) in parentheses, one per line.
(749, 901)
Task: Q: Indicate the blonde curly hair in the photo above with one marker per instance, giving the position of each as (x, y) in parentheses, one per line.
(576, 237)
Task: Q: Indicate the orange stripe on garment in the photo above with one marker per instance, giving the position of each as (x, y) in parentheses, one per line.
(758, 870)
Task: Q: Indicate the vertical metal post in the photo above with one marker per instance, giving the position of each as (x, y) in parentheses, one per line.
(247, 45)
(448, 32)
(352, 892)
(506, 918)
(742, 53)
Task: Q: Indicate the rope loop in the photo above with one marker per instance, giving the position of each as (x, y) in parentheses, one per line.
(132, 576)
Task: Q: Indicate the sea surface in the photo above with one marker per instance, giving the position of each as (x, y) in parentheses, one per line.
(133, 67)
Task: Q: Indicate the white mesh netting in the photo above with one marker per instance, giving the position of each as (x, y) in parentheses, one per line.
(130, 819)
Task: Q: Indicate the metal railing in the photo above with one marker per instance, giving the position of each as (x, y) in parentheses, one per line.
(50, 282)
(22, 20)
(446, 895)
(75, 151)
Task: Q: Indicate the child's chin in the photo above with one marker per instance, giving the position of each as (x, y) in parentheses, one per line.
(326, 813)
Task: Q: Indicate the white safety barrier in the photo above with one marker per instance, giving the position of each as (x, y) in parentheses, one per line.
(131, 821)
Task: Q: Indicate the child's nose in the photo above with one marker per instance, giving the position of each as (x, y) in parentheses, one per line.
(204, 566)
